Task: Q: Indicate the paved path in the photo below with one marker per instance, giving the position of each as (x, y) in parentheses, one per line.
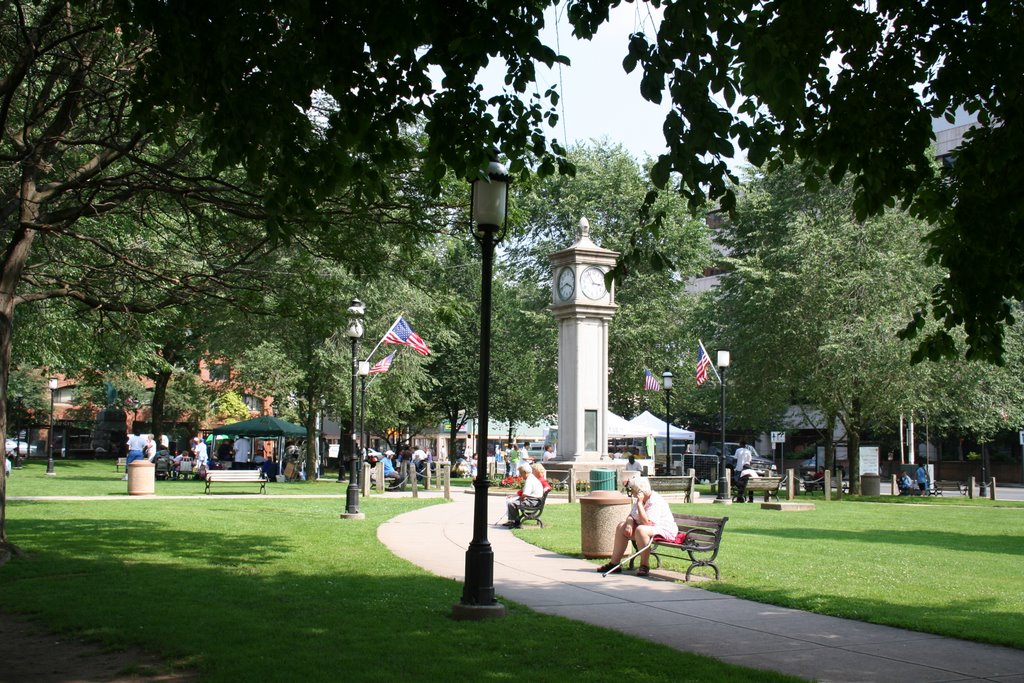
(687, 618)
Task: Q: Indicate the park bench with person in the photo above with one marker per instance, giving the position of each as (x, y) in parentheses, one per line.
(237, 477)
(532, 508)
(697, 542)
(769, 486)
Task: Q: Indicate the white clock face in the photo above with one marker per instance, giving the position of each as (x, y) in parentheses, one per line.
(566, 283)
(592, 283)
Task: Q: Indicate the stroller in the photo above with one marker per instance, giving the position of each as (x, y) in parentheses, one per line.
(164, 467)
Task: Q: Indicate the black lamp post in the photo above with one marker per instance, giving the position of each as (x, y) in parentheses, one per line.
(723, 363)
(364, 370)
(353, 332)
(983, 485)
(49, 434)
(489, 210)
(667, 382)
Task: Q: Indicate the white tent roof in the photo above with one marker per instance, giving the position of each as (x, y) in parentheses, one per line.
(653, 425)
(620, 428)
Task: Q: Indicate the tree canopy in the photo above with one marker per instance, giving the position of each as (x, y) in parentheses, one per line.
(320, 91)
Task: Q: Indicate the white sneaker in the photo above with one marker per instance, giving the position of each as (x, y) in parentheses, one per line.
(124, 478)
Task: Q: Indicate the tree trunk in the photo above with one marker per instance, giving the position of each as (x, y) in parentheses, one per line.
(853, 429)
(160, 382)
(13, 265)
(312, 442)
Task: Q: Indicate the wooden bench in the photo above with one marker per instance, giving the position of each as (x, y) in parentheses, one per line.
(697, 543)
(119, 463)
(939, 487)
(238, 477)
(769, 486)
(682, 484)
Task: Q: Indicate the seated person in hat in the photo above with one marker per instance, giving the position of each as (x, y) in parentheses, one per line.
(389, 466)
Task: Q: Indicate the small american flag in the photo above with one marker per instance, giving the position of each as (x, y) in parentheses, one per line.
(401, 333)
(651, 382)
(383, 365)
(703, 363)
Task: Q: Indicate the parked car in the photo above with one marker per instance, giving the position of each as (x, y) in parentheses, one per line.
(22, 447)
(763, 466)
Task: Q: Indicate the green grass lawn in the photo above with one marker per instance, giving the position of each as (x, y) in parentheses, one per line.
(99, 478)
(940, 568)
(280, 589)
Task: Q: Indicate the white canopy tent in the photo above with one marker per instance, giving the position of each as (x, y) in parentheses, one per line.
(651, 425)
(621, 428)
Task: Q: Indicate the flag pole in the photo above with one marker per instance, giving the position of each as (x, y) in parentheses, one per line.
(370, 355)
(711, 365)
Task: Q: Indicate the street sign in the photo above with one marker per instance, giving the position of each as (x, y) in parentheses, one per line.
(780, 437)
(1022, 438)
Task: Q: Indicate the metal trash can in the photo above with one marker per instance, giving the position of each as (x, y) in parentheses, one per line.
(870, 485)
(602, 480)
(141, 478)
(600, 513)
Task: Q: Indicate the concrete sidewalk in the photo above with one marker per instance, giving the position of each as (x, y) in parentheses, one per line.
(687, 618)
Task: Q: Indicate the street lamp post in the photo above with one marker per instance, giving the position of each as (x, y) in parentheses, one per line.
(489, 211)
(983, 485)
(49, 434)
(723, 363)
(364, 370)
(667, 381)
(353, 332)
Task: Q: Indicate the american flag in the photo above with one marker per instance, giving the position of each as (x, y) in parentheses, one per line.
(401, 333)
(703, 363)
(384, 364)
(651, 382)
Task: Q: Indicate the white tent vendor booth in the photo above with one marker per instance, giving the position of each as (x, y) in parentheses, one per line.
(621, 428)
(652, 425)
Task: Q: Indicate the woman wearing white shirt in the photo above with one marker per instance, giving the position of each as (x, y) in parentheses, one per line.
(650, 516)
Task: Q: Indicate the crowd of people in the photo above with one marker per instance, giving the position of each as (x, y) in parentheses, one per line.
(196, 460)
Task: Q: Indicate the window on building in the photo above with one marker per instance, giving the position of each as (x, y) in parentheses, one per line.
(253, 403)
(590, 430)
(65, 395)
(220, 371)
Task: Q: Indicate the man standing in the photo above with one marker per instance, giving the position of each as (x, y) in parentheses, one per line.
(524, 453)
(922, 479)
(743, 457)
(136, 448)
(512, 460)
(241, 454)
(200, 452)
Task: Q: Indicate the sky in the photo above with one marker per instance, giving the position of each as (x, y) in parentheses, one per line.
(598, 98)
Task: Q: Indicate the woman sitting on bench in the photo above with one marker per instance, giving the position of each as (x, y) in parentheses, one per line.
(650, 516)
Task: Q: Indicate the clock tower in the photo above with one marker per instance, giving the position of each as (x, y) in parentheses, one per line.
(582, 306)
